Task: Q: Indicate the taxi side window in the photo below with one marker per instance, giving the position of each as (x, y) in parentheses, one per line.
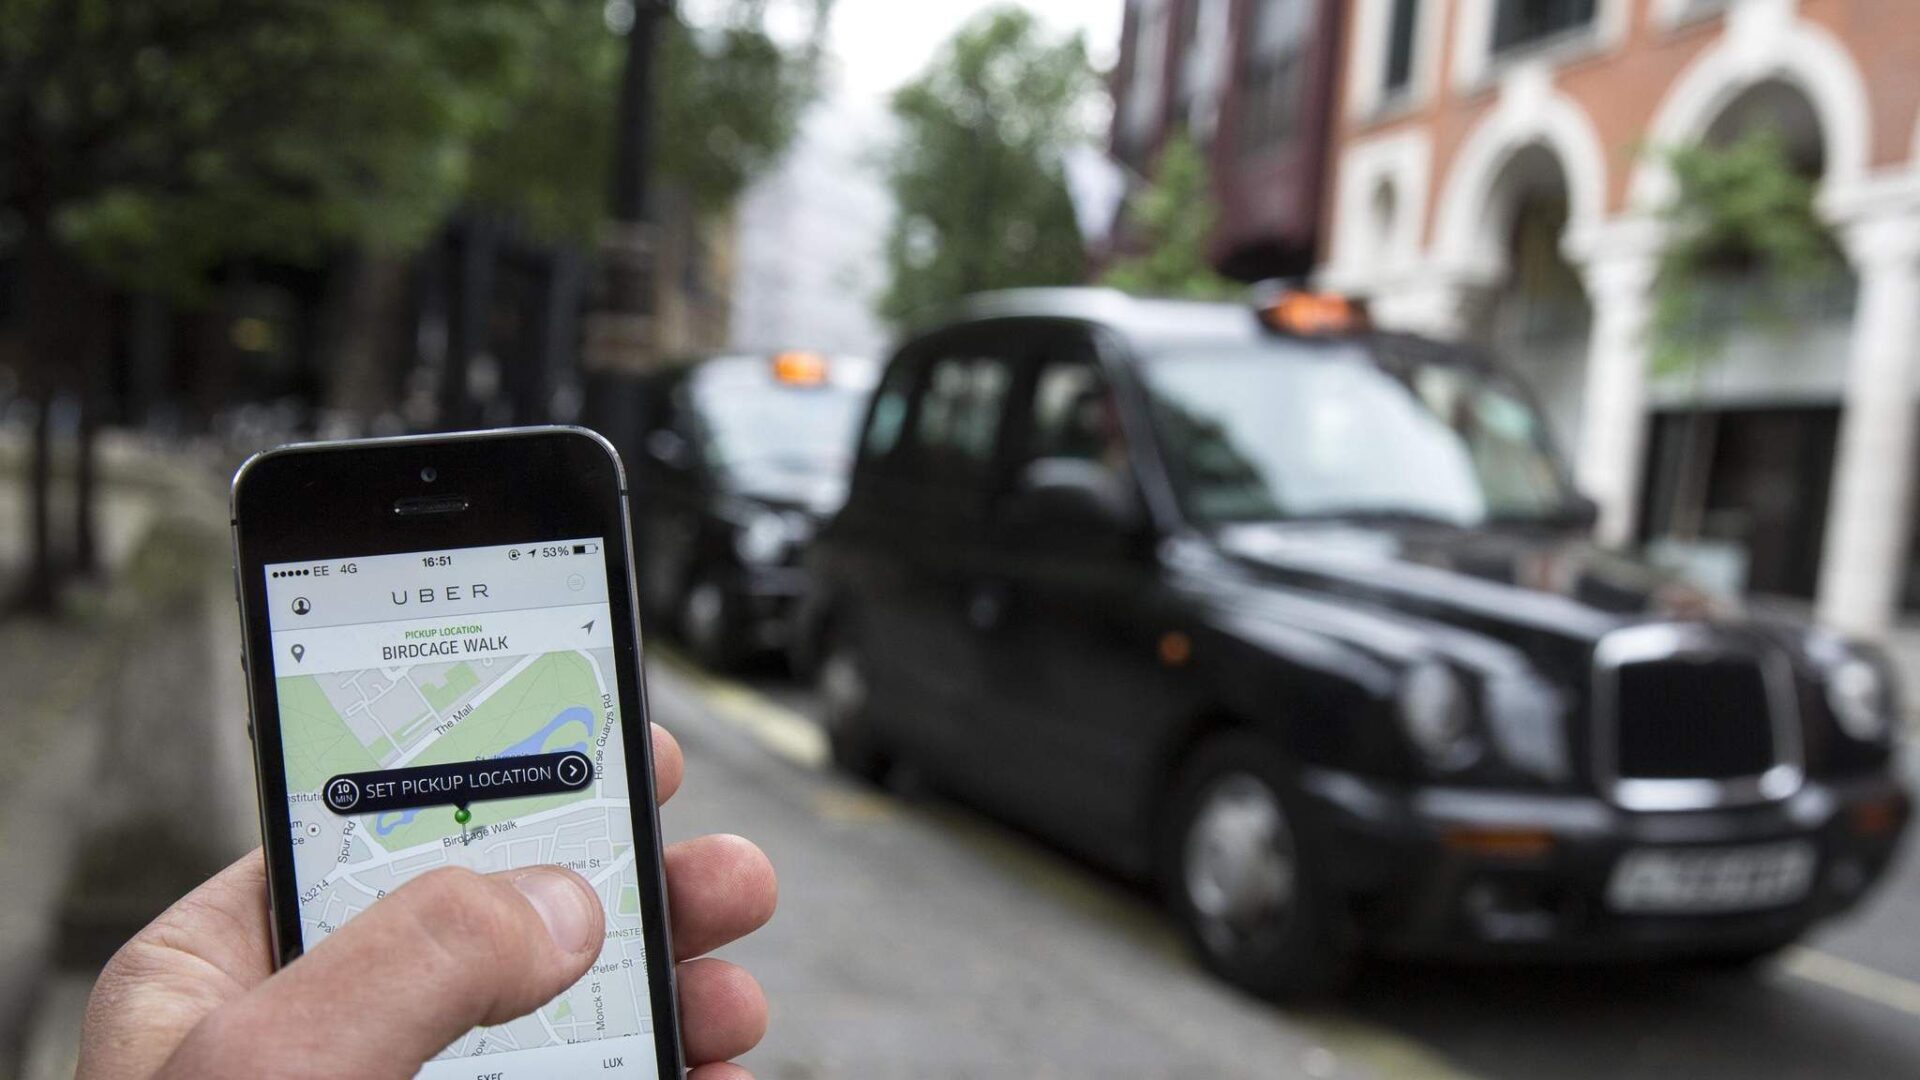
(957, 425)
(889, 414)
(1075, 416)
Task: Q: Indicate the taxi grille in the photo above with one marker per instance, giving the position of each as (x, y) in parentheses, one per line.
(1698, 717)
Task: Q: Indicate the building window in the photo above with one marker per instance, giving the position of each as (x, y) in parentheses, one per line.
(1273, 72)
(1404, 19)
(1518, 24)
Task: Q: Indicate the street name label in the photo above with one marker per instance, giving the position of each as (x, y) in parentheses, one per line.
(457, 784)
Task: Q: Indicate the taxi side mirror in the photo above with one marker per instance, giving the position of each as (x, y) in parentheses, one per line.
(1074, 496)
(669, 448)
(1583, 512)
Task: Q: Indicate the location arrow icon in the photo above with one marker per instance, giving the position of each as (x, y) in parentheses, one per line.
(588, 626)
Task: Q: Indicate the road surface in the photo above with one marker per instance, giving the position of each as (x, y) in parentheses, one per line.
(917, 938)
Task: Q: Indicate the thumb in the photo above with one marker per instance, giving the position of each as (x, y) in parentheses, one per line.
(445, 953)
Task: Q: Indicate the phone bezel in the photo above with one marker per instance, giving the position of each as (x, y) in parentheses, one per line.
(330, 501)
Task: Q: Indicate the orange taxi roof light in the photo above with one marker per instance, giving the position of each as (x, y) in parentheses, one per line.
(1311, 314)
(800, 368)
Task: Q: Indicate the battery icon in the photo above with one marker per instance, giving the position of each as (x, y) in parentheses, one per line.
(586, 549)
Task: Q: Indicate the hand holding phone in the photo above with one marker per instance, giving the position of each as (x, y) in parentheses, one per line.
(445, 676)
(194, 994)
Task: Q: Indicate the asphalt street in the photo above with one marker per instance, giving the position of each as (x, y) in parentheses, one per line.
(917, 938)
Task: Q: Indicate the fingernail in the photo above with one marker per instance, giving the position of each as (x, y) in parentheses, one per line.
(564, 907)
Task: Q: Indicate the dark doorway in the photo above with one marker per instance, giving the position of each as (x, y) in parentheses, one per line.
(1753, 479)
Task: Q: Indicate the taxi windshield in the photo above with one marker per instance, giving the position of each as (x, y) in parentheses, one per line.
(1268, 432)
(753, 421)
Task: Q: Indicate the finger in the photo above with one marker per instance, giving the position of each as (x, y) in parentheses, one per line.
(725, 1070)
(722, 1009)
(209, 948)
(719, 888)
(447, 952)
(669, 766)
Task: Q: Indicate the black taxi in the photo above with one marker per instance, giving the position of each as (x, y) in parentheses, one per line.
(1303, 622)
(736, 459)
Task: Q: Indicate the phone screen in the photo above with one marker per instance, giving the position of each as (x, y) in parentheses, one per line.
(461, 708)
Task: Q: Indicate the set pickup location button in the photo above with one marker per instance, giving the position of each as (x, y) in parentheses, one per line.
(457, 784)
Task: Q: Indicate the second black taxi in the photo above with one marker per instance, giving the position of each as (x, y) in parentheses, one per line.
(1303, 622)
(738, 458)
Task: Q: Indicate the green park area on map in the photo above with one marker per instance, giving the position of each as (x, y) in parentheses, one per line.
(319, 743)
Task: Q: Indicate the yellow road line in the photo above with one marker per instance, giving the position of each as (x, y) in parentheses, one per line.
(1859, 980)
(776, 727)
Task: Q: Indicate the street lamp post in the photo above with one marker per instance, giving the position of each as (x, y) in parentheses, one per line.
(620, 330)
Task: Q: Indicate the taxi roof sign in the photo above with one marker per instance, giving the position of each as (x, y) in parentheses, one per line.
(1305, 313)
(796, 368)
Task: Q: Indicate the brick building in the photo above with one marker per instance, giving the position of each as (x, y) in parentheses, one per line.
(1253, 82)
(1491, 178)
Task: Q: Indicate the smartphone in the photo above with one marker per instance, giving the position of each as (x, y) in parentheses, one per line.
(444, 669)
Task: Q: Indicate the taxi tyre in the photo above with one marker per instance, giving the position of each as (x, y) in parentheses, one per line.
(852, 744)
(1312, 954)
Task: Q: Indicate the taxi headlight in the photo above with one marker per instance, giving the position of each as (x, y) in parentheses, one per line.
(763, 539)
(1437, 716)
(1857, 694)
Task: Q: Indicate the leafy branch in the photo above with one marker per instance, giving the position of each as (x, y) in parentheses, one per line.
(1742, 209)
(1172, 220)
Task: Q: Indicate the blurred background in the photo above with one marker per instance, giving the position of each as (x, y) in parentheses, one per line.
(1692, 226)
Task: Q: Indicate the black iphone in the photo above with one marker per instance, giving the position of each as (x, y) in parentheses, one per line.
(444, 668)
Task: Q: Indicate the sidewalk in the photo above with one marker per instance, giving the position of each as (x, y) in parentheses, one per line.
(126, 779)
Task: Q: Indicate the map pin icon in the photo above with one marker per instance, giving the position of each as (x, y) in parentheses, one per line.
(299, 653)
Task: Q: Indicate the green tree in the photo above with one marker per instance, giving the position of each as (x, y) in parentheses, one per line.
(148, 144)
(729, 101)
(1747, 246)
(1742, 210)
(976, 174)
(1171, 221)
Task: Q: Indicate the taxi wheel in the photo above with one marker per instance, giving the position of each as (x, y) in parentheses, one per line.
(845, 702)
(1246, 877)
(706, 625)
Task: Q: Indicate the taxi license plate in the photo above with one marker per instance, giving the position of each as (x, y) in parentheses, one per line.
(1711, 880)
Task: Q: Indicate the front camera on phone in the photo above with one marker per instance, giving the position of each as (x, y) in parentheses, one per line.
(429, 474)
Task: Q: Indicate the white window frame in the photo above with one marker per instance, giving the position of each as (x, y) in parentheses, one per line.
(1364, 261)
(1367, 96)
(1475, 66)
(1670, 14)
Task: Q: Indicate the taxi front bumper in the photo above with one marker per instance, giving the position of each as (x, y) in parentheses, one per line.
(1450, 870)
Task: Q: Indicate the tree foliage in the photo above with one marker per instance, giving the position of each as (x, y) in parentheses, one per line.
(728, 102)
(976, 173)
(1740, 209)
(1171, 221)
(152, 140)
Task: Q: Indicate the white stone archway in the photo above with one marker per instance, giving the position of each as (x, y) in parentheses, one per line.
(1469, 230)
(1763, 42)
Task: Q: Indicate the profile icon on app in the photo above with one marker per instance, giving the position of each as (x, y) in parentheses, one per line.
(301, 605)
